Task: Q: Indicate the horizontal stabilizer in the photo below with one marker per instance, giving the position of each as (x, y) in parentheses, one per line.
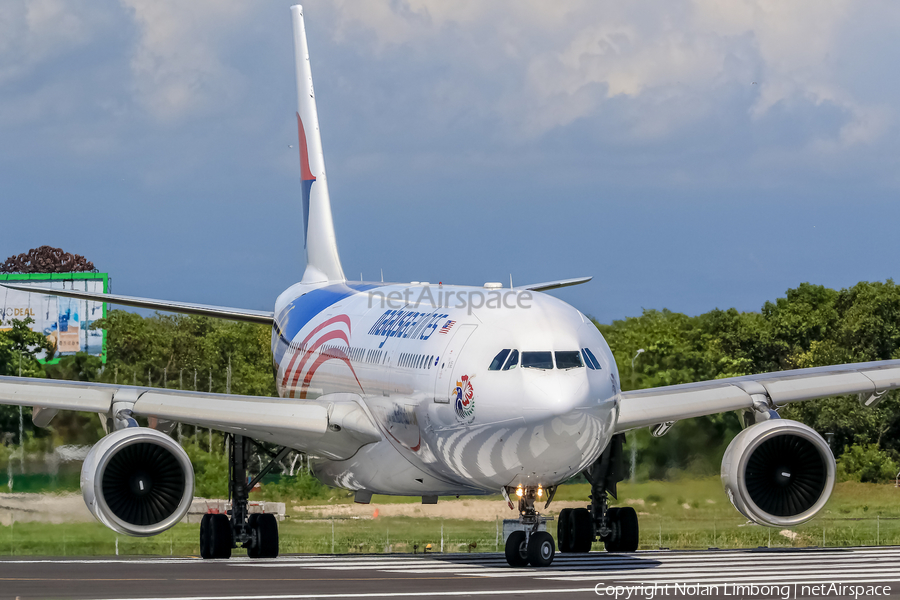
(552, 285)
(223, 312)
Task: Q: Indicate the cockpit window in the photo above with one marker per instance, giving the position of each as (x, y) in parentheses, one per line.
(590, 359)
(513, 361)
(568, 360)
(498, 360)
(537, 360)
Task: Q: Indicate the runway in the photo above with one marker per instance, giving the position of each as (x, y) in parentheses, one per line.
(791, 573)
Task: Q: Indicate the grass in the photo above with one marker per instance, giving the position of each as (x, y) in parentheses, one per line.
(683, 514)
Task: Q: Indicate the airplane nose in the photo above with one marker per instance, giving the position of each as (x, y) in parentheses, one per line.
(556, 393)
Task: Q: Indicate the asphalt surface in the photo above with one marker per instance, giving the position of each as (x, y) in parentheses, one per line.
(734, 574)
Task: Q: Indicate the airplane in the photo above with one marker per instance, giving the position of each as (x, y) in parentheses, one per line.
(417, 389)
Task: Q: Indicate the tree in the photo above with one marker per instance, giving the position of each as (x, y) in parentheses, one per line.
(811, 326)
(19, 347)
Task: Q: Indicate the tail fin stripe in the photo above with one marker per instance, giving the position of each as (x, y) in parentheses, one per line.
(305, 172)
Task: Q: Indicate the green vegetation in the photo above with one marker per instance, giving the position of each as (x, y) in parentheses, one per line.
(811, 326)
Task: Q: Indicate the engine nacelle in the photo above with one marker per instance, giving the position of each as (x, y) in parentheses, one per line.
(137, 481)
(778, 473)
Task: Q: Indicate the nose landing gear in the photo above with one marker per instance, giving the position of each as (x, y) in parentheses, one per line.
(578, 528)
(530, 545)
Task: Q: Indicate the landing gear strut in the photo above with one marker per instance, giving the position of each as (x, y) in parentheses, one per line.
(617, 528)
(258, 533)
(530, 545)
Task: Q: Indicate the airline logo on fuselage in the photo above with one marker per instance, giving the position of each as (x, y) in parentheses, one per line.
(464, 403)
(407, 324)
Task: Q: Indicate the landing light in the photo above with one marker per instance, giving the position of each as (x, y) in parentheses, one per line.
(519, 491)
(540, 491)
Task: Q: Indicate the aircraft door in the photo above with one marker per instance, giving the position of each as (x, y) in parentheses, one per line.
(446, 362)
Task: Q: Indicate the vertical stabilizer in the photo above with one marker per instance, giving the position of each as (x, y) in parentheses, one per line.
(322, 261)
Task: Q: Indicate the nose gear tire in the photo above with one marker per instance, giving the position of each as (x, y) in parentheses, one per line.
(541, 549)
(516, 552)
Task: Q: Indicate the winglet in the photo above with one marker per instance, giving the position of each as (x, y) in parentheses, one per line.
(552, 285)
(322, 260)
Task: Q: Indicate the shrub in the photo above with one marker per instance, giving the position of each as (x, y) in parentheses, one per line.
(866, 463)
(210, 472)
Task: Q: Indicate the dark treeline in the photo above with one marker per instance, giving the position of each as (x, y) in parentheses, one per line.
(811, 326)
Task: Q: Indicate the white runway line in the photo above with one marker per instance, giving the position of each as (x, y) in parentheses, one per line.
(636, 567)
(376, 595)
(598, 559)
(811, 566)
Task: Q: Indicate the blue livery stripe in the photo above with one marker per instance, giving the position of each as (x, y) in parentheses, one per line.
(302, 310)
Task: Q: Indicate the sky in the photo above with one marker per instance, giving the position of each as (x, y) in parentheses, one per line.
(687, 154)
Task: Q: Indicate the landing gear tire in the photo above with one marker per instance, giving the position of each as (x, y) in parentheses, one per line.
(625, 535)
(265, 536)
(516, 551)
(205, 548)
(582, 528)
(541, 549)
(215, 536)
(564, 531)
(630, 530)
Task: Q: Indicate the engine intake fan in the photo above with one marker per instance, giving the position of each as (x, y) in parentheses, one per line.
(137, 481)
(778, 472)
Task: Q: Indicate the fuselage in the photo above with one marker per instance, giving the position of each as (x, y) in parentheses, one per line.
(472, 389)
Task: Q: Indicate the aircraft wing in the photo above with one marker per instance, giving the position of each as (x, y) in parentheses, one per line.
(870, 380)
(335, 426)
(222, 312)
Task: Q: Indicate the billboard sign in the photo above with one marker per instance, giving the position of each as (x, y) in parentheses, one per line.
(65, 321)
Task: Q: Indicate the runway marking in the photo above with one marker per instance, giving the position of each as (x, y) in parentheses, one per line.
(373, 594)
(739, 566)
(412, 566)
(235, 579)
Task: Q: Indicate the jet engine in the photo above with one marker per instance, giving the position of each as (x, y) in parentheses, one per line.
(137, 481)
(778, 472)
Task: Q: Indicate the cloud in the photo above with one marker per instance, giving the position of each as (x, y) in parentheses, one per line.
(557, 64)
(177, 63)
(33, 32)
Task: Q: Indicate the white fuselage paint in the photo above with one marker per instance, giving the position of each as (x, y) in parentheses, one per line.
(521, 426)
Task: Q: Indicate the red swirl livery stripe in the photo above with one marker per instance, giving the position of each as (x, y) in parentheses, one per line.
(331, 335)
(338, 319)
(333, 354)
(312, 344)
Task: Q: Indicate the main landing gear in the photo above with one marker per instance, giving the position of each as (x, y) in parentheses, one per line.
(258, 533)
(617, 528)
(577, 528)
